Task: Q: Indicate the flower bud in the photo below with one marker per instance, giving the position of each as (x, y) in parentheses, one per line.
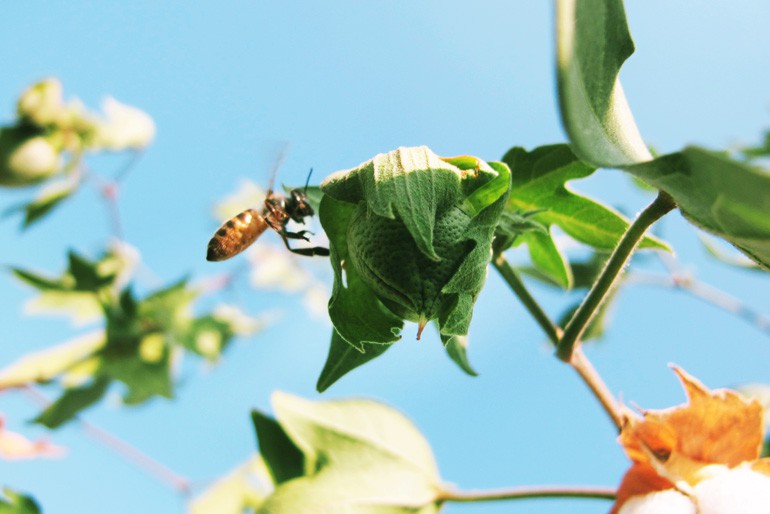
(25, 157)
(41, 103)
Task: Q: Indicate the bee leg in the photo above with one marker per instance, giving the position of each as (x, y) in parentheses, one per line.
(297, 235)
(310, 252)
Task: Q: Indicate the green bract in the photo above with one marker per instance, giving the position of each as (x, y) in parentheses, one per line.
(413, 234)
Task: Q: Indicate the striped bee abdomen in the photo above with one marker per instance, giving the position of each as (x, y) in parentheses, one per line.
(236, 235)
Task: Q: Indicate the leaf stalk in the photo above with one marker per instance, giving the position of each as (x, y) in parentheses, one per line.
(662, 204)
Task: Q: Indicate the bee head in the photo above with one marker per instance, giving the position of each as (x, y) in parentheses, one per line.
(298, 205)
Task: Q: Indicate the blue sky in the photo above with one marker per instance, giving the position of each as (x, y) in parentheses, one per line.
(340, 82)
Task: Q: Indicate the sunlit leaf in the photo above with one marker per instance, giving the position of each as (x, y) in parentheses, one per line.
(243, 488)
(539, 184)
(360, 457)
(45, 365)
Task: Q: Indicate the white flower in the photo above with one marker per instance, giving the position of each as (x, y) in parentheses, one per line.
(124, 127)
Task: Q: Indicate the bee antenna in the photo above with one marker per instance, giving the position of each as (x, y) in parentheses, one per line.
(307, 182)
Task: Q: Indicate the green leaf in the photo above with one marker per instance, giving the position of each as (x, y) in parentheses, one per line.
(50, 198)
(358, 316)
(64, 283)
(720, 195)
(144, 377)
(539, 179)
(360, 457)
(548, 259)
(593, 41)
(732, 258)
(17, 503)
(71, 403)
(244, 488)
(344, 357)
(49, 363)
(723, 196)
(86, 273)
(283, 459)
(457, 349)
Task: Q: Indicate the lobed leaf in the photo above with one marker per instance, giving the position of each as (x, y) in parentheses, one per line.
(245, 487)
(539, 184)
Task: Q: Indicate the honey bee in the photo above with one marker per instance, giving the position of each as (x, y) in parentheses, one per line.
(240, 231)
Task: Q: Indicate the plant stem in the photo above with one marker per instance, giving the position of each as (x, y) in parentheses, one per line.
(579, 361)
(517, 493)
(662, 204)
(594, 381)
(514, 281)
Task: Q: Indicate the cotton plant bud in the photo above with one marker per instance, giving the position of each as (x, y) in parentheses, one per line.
(417, 232)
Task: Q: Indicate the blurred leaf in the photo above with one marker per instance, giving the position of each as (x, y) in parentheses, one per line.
(86, 273)
(17, 503)
(592, 43)
(50, 198)
(343, 358)
(361, 457)
(82, 308)
(77, 292)
(45, 365)
(244, 488)
(65, 283)
(760, 151)
(539, 179)
(284, 461)
(71, 402)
